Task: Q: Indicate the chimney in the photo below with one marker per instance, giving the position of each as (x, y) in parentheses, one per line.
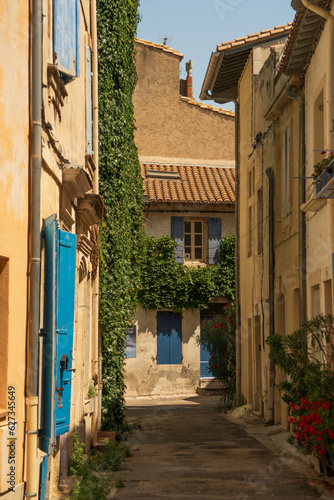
(189, 81)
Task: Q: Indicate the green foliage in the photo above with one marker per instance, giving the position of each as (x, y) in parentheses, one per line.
(93, 473)
(218, 337)
(75, 462)
(92, 393)
(122, 191)
(166, 284)
(305, 356)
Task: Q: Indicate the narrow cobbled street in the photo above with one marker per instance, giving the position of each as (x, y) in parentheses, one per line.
(187, 448)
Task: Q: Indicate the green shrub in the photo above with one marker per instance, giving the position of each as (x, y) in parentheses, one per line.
(218, 337)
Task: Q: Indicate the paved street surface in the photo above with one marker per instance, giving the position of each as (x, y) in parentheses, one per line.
(187, 449)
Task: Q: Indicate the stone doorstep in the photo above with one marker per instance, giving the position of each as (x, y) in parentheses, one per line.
(210, 387)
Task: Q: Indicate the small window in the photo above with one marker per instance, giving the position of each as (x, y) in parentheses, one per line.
(66, 37)
(130, 342)
(193, 240)
(250, 231)
(286, 173)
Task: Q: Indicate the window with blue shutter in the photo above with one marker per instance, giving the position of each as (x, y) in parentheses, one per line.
(169, 338)
(178, 235)
(66, 36)
(214, 237)
(130, 342)
(89, 102)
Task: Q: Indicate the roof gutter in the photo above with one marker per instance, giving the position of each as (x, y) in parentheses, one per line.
(211, 72)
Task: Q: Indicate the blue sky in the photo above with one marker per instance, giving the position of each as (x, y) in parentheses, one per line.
(195, 27)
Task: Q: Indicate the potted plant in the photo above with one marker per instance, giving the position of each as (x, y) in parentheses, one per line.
(89, 402)
(323, 171)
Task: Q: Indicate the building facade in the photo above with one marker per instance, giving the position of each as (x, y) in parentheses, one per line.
(186, 154)
(49, 242)
(284, 94)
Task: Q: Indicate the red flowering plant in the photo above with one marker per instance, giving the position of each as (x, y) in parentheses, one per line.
(306, 357)
(218, 337)
(313, 423)
(322, 164)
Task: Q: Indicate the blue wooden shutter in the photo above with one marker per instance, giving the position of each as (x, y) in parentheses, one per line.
(89, 102)
(177, 235)
(66, 36)
(214, 236)
(175, 338)
(65, 327)
(163, 338)
(47, 432)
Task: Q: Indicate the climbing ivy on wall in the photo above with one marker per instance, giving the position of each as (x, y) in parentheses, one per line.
(166, 284)
(122, 191)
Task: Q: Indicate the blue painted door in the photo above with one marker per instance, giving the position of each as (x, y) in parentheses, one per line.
(205, 371)
(205, 366)
(169, 338)
(64, 331)
(59, 289)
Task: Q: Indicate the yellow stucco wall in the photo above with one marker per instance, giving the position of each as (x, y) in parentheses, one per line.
(145, 377)
(14, 131)
(320, 224)
(70, 136)
(258, 95)
(167, 126)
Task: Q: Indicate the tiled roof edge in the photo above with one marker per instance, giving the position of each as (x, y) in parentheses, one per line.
(261, 36)
(160, 46)
(221, 111)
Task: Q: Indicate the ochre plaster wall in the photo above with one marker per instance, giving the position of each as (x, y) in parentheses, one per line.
(320, 224)
(167, 126)
(158, 221)
(258, 94)
(14, 132)
(144, 377)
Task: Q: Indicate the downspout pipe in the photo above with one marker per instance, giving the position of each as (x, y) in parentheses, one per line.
(237, 260)
(271, 392)
(96, 369)
(301, 199)
(32, 465)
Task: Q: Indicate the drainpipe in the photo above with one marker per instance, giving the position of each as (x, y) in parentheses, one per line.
(237, 261)
(301, 200)
(301, 215)
(271, 394)
(96, 424)
(32, 464)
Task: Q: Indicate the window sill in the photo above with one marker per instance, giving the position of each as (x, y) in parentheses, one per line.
(194, 263)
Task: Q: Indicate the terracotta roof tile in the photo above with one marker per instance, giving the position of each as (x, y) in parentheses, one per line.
(221, 111)
(196, 184)
(285, 28)
(160, 46)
